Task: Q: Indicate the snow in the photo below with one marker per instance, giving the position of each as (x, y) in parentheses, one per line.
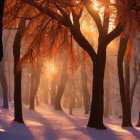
(47, 124)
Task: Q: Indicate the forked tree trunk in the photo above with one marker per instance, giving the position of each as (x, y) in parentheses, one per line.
(97, 104)
(17, 74)
(86, 96)
(61, 87)
(4, 85)
(125, 97)
(1, 27)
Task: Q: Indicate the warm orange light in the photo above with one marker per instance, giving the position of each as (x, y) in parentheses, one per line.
(96, 6)
(2, 130)
(53, 68)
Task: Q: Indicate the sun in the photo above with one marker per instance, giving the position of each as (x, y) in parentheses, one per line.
(96, 6)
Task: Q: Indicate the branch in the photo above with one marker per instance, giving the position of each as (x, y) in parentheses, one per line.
(48, 12)
(94, 14)
(115, 33)
(82, 42)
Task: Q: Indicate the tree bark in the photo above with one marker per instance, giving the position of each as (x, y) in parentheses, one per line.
(17, 74)
(107, 92)
(1, 27)
(61, 87)
(86, 96)
(125, 97)
(97, 104)
(4, 85)
(35, 80)
(138, 124)
(53, 90)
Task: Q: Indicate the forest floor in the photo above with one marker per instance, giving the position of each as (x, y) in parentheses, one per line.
(47, 124)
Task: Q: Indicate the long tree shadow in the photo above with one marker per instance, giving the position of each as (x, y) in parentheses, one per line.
(134, 131)
(49, 133)
(91, 132)
(14, 131)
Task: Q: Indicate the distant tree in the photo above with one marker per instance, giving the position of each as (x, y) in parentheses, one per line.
(53, 88)
(2, 2)
(61, 86)
(125, 96)
(35, 80)
(84, 82)
(4, 85)
(2, 76)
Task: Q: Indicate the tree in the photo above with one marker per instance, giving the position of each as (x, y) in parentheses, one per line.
(61, 22)
(125, 96)
(2, 2)
(2, 77)
(61, 87)
(17, 73)
(4, 85)
(86, 96)
(35, 80)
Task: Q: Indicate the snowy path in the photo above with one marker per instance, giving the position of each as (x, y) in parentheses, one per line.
(47, 124)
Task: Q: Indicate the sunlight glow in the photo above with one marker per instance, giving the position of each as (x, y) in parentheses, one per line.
(52, 67)
(2, 130)
(96, 6)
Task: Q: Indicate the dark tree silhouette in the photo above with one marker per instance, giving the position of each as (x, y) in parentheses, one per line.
(125, 97)
(17, 73)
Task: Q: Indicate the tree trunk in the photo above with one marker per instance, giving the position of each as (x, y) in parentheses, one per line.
(136, 76)
(107, 92)
(35, 80)
(125, 97)
(53, 90)
(97, 104)
(27, 92)
(86, 96)
(61, 87)
(138, 124)
(1, 27)
(17, 74)
(4, 85)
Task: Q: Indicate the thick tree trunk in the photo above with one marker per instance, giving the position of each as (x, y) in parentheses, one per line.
(86, 96)
(1, 27)
(97, 104)
(4, 85)
(61, 87)
(17, 74)
(35, 80)
(125, 97)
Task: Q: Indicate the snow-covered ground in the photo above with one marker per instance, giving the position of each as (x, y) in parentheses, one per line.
(47, 124)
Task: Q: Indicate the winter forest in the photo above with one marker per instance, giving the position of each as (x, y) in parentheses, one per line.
(69, 69)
